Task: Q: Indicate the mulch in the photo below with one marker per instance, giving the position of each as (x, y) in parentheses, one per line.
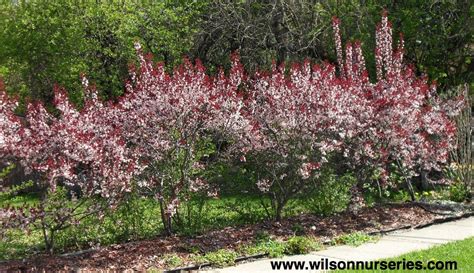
(140, 255)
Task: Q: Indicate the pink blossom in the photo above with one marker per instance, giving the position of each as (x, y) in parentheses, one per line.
(264, 185)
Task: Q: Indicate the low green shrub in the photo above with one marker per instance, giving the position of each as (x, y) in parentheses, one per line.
(264, 245)
(458, 192)
(172, 260)
(15, 244)
(331, 193)
(220, 258)
(300, 245)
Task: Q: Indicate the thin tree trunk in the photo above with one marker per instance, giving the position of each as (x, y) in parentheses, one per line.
(410, 189)
(278, 213)
(165, 219)
(279, 209)
(51, 242)
(426, 184)
(408, 182)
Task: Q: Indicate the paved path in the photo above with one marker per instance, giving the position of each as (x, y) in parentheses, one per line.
(388, 246)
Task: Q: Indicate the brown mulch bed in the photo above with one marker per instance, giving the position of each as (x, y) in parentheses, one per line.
(140, 255)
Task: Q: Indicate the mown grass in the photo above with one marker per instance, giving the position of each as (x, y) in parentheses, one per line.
(459, 251)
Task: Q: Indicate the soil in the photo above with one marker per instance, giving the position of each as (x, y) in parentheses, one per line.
(142, 255)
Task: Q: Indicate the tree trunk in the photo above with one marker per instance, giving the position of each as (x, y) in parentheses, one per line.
(410, 189)
(278, 214)
(425, 183)
(165, 219)
(48, 240)
(279, 209)
(407, 181)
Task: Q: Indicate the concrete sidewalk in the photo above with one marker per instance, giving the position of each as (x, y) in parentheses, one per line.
(388, 246)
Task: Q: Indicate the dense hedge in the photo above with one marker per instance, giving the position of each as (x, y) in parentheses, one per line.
(176, 134)
(310, 128)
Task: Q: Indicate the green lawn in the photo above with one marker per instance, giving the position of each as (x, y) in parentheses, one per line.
(460, 251)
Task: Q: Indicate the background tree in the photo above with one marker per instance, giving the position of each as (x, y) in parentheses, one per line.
(45, 43)
(262, 31)
(40, 45)
(164, 28)
(439, 33)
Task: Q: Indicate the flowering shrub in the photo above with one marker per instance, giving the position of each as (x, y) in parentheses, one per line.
(80, 148)
(157, 133)
(169, 120)
(303, 115)
(409, 128)
(299, 121)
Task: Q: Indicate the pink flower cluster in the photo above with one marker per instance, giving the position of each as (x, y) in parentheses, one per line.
(398, 119)
(85, 147)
